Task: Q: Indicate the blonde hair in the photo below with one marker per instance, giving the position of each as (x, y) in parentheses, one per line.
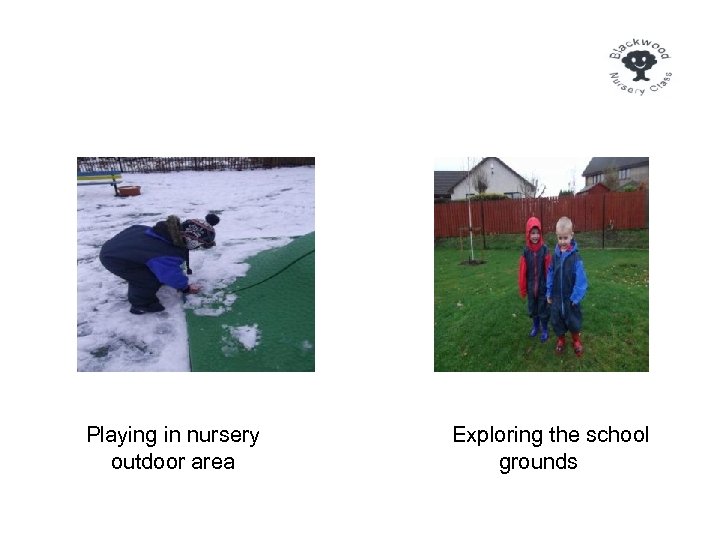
(564, 224)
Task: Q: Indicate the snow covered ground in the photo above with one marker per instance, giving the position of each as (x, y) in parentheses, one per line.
(258, 210)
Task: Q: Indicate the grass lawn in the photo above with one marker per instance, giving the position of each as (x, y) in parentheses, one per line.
(481, 323)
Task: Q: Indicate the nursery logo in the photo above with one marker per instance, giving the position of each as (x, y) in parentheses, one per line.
(640, 67)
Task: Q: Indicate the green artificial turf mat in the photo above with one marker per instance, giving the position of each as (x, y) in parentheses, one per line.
(275, 303)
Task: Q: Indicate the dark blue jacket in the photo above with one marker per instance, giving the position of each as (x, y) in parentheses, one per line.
(140, 245)
(566, 278)
(532, 272)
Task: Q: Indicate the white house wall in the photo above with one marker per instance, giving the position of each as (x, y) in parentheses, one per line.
(461, 190)
(639, 175)
(500, 181)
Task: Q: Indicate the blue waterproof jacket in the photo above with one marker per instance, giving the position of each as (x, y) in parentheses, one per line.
(566, 278)
(140, 245)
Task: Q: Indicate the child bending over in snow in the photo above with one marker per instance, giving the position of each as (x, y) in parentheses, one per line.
(148, 257)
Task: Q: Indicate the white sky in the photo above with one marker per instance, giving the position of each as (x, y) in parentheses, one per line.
(554, 172)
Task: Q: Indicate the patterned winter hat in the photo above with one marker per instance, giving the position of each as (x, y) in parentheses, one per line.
(198, 233)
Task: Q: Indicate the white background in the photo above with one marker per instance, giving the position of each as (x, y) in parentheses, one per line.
(375, 90)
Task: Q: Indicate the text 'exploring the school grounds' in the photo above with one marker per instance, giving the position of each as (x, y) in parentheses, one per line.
(535, 438)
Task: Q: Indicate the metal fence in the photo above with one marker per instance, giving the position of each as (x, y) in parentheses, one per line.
(173, 164)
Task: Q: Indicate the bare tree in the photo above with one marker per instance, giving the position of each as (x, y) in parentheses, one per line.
(480, 182)
(533, 188)
(612, 179)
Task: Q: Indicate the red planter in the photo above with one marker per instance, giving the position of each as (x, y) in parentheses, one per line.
(129, 191)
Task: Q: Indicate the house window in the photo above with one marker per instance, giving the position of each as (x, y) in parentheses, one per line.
(623, 174)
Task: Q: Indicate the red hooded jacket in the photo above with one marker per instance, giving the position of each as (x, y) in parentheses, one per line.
(532, 270)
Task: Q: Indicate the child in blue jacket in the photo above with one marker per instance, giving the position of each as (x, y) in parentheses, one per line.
(566, 286)
(148, 257)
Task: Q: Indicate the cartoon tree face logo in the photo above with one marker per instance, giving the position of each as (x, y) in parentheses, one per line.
(638, 56)
(639, 62)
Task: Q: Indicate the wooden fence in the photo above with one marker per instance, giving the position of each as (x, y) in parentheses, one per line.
(614, 210)
(172, 164)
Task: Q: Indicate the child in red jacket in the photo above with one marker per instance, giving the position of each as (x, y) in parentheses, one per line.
(534, 263)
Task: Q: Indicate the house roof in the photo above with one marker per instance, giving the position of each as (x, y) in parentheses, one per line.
(504, 165)
(595, 187)
(602, 164)
(445, 181)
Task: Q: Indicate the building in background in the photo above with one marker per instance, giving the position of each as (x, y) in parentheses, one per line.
(618, 173)
(491, 175)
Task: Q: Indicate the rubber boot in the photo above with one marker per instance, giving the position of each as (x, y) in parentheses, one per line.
(151, 308)
(536, 327)
(577, 345)
(544, 335)
(560, 345)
